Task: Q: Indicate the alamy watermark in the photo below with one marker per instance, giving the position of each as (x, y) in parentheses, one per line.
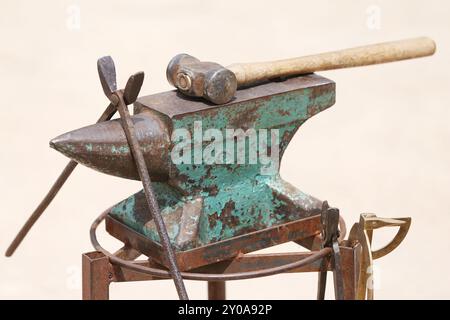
(373, 20)
(73, 279)
(227, 146)
(73, 20)
(373, 283)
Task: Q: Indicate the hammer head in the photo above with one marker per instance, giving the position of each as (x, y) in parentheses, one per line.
(201, 79)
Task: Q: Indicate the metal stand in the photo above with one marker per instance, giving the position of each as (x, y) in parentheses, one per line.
(100, 268)
(353, 258)
(99, 272)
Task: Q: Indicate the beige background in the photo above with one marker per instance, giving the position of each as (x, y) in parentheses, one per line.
(383, 148)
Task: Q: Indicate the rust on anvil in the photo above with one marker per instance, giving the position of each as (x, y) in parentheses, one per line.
(204, 203)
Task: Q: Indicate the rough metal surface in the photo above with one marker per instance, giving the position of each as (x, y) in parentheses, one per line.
(217, 251)
(104, 147)
(235, 198)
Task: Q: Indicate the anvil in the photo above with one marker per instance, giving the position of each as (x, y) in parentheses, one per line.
(217, 210)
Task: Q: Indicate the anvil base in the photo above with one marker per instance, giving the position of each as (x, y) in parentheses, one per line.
(217, 251)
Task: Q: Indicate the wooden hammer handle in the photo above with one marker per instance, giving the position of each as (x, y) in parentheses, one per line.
(250, 73)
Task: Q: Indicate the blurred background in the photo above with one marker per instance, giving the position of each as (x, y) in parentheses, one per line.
(383, 147)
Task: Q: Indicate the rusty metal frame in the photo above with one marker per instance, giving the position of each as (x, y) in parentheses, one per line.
(100, 268)
(222, 250)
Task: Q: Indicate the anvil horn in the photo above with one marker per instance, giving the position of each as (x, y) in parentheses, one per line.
(103, 147)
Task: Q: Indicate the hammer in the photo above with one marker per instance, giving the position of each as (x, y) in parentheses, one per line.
(218, 84)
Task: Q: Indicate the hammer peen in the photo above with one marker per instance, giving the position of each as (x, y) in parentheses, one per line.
(218, 84)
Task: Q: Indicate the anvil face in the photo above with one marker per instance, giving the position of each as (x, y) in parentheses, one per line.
(213, 185)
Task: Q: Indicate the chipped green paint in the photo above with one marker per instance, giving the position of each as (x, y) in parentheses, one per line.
(125, 149)
(237, 198)
(133, 210)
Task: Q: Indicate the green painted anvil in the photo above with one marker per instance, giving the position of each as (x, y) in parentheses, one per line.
(214, 167)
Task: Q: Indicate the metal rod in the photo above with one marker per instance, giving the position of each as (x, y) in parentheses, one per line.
(149, 194)
(95, 276)
(65, 174)
(41, 207)
(337, 272)
(322, 280)
(216, 290)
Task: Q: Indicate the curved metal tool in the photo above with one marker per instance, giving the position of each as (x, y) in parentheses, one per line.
(107, 75)
(130, 95)
(363, 233)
